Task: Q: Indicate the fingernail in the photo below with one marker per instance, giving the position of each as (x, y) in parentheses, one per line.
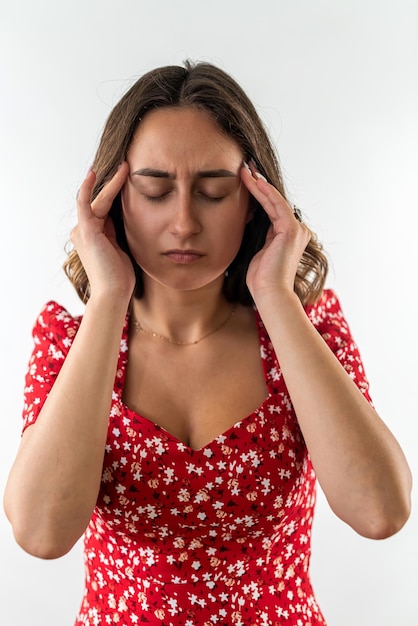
(247, 167)
(258, 175)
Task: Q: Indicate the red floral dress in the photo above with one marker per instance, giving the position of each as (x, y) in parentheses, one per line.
(216, 536)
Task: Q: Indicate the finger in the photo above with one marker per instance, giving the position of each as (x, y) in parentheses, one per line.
(268, 196)
(104, 200)
(84, 193)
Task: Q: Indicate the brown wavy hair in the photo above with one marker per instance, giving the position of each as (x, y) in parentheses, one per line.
(208, 88)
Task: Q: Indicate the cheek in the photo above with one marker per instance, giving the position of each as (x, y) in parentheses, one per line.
(245, 210)
(242, 211)
(231, 232)
(137, 234)
(135, 216)
(132, 218)
(129, 204)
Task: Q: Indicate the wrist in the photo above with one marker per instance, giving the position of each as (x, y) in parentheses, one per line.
(109, 303)
(112, 295)
(277, 300)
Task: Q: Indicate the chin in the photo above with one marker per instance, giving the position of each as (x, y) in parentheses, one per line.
(183, 283)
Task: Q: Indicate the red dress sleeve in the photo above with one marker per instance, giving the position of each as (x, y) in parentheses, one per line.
(53, 335)
(328, 318)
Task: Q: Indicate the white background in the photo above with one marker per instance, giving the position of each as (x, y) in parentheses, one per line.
(337, 85)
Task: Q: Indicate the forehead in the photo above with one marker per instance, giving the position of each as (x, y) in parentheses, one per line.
(182, 134)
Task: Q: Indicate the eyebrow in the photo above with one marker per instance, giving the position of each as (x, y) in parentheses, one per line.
(154, 173)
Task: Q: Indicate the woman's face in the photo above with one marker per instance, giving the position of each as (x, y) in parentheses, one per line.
(184, 205)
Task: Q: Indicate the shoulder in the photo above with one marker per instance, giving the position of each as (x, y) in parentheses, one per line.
(56, 324)
(327, 312)
(53, 333)
(328, 318)
(327, 306)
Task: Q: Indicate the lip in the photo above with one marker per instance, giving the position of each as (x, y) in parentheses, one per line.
(183, 256)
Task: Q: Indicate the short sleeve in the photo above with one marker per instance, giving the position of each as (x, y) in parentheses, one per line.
(328, 318)
(53, 334)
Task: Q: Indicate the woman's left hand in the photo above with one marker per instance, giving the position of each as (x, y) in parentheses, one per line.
(273, 268)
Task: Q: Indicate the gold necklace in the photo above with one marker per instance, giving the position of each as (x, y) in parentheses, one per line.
(151, 333)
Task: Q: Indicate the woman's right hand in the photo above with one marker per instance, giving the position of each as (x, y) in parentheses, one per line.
(108, 268)
(50, 509)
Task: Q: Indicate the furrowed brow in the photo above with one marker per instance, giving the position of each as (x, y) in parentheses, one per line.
(149, 171)
(154, 173)
(215, 174)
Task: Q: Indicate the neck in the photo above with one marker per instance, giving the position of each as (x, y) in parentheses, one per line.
(183, 317)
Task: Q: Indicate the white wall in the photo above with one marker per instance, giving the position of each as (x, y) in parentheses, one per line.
(336, 82)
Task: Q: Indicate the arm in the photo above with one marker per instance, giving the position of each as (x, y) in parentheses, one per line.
(358, 462)
(54, 482)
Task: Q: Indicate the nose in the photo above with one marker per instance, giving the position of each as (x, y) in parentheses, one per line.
(184, 222)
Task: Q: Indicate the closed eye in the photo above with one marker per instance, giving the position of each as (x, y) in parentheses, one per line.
(158, 198)
(205, 197)
(213, 199)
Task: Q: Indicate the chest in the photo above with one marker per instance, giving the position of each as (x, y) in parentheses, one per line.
(155, 486)
(196, 395)
(253, 466)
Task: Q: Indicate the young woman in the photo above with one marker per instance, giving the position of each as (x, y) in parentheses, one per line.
(181, 422)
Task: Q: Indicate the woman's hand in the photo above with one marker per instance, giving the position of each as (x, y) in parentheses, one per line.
(50, 509)
(108, 268)
(273, 268)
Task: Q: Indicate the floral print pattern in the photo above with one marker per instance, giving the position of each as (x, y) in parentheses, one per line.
(216, 536)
